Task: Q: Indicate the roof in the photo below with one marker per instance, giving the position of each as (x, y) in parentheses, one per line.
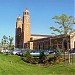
(40, 39)
(41, 35)
(19, 17)
(26, 10)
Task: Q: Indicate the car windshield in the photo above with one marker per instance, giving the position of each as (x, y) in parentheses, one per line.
(23, 50)
(17, 50)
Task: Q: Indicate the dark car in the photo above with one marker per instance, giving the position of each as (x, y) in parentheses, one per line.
(11, 51)
(47, 52)
(72, 50)
(37, 52)
(21, 53)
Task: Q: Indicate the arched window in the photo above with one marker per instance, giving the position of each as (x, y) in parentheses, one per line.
(65, 43)
(25, 13)
(39, 46)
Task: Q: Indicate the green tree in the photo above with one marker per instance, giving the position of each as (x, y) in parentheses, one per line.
(7, 43)
(10, 43)
(65, 24)
(4, 42)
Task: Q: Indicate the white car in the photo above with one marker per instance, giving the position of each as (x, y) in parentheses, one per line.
(35, 53)
(15, 51)
(4, 51)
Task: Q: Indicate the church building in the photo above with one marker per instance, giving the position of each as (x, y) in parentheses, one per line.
(24, 38)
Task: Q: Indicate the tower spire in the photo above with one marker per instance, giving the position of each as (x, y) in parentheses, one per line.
(26, 12)
(26, 24)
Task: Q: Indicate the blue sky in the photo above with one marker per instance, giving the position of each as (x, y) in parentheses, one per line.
(41, 13)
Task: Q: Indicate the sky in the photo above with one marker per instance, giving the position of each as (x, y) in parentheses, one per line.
(41, 14)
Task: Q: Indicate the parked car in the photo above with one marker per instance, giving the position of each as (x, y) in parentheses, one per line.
(21, 53)
(11, 51)
(16, 51)
(4, 51)
(72, 50)
(35, 52)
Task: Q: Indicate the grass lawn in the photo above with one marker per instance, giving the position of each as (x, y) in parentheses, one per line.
(13, 65)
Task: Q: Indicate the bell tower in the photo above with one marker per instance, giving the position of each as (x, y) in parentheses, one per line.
(18, 36)
(26, 26)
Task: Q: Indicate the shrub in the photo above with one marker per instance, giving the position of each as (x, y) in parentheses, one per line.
(57, 54)
(51, 60)
(34, 61)
(42, 57)
(28, 56)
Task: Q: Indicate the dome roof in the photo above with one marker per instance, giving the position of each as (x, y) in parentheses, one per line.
(19, 18)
